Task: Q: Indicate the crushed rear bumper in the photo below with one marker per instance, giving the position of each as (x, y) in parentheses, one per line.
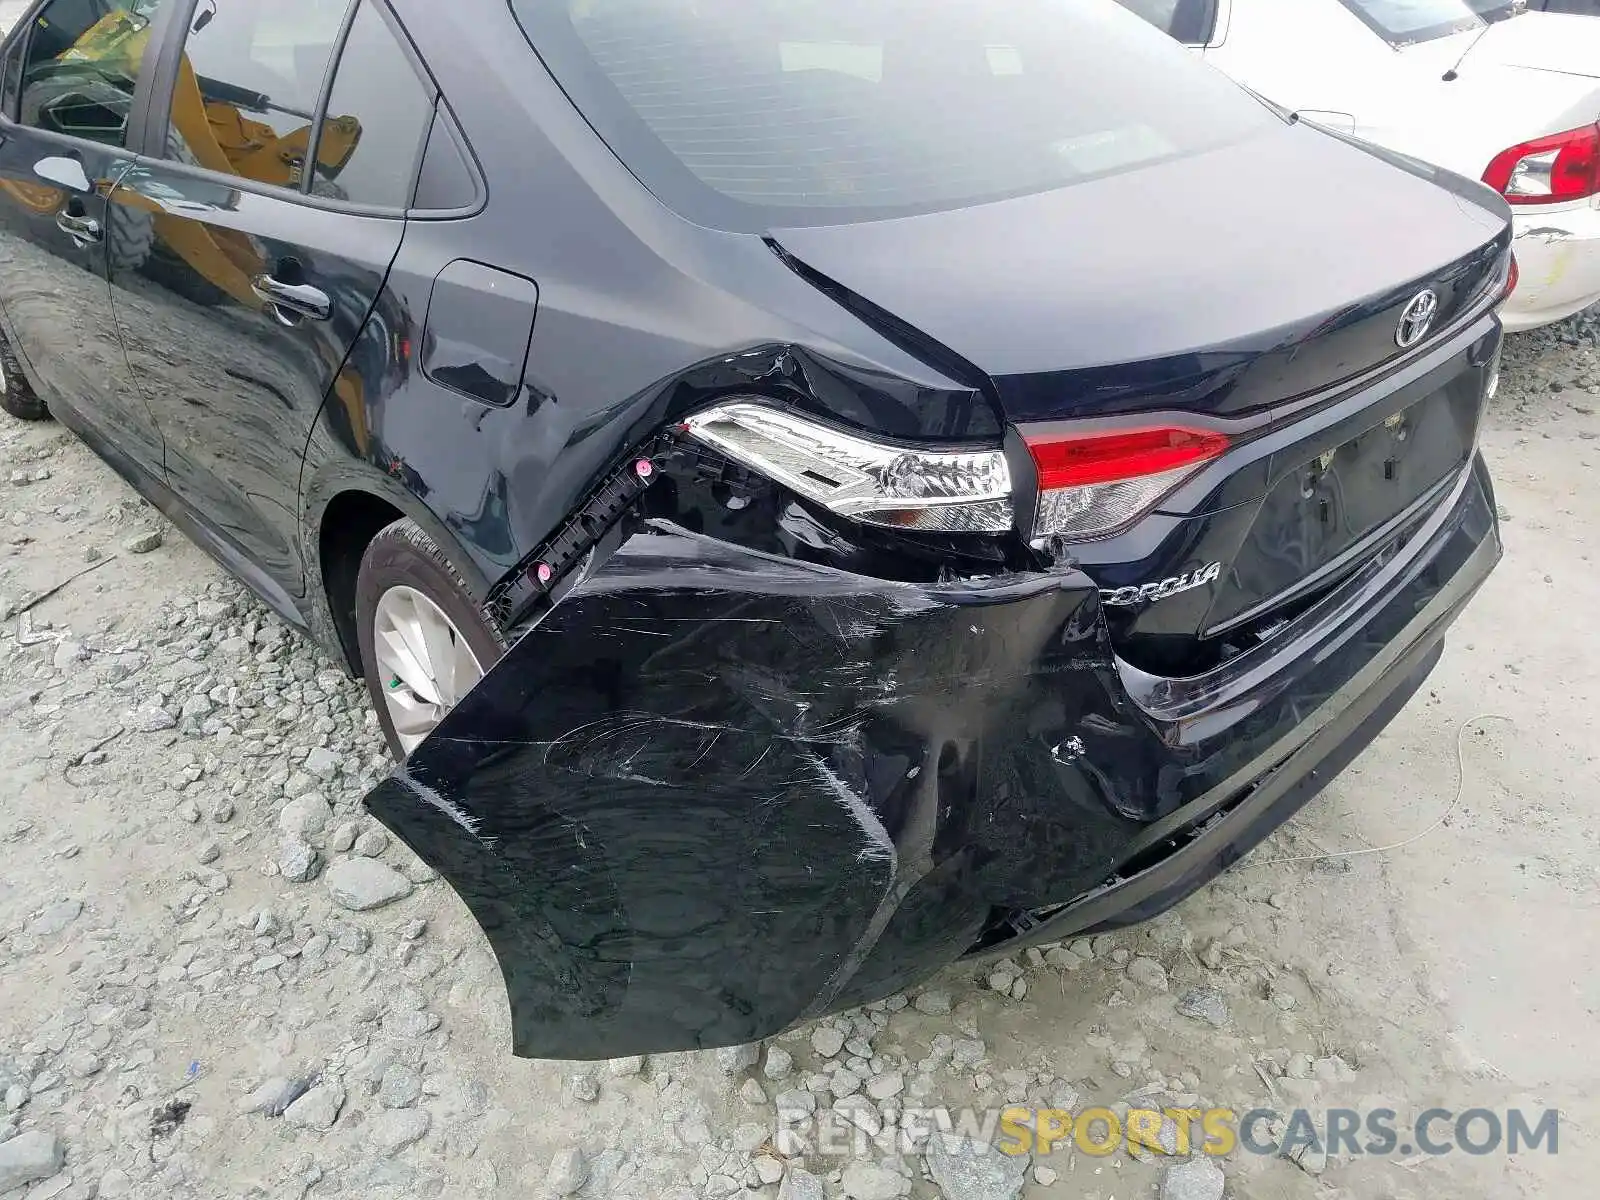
(714, 792)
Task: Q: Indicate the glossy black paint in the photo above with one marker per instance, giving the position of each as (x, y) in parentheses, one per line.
(716, 791)
(238, 405)
(756, 761)
(55, 300)
(1242, 303)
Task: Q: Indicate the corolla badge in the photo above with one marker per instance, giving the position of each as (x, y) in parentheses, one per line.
(1417, 319)
(1187, 582)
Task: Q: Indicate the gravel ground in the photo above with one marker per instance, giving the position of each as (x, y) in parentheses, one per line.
(218, 978)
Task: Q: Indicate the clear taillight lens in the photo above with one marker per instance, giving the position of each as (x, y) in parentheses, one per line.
(1092, 485)
(1548, 170)
(877, 482)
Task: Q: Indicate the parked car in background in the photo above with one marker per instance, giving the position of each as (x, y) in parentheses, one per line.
(1482, 87)
(793, 543)
(1583, 8)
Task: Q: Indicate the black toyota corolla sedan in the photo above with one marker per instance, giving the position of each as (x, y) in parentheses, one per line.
(816, 488)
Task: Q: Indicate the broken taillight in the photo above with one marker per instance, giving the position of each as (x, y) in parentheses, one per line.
(965, 490)
(1549, 170)
(1091, 485)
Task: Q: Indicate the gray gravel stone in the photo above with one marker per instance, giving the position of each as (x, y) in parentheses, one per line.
(322, 762)
(1198, 1179)
(734, 1059)
(970, 1170)
(343, 837)
(83, 1064)
(582, 1085)
(412, 1024)
(400, 1087)
(935, 1004)
(29, 1157)
(768, 1169)
(796, 1102)
(297, 860)
(887, 1085)
(360, 884)
(868, 1181)
(304, 815)
(55, 918)
(150, 720)
(826, 1040)
(318, 1109)
(212, 611)
(569, 1171)
(209, 851)
(392, 1131)
(272, 1097)
(144, 542)
(1204, 1004)
(779, 1064)
(1148, 973)
(372, 843)
(800, 1184)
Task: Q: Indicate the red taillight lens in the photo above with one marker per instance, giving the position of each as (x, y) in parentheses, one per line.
(1090, 485)
(1513, 277)
(1549, 170)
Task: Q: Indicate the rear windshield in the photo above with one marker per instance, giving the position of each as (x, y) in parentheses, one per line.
(755, 114)
(1406, 21)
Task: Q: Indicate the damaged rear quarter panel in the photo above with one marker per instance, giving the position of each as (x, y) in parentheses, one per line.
(713, 791)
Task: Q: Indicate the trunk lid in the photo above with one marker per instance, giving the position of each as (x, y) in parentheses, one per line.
(1539, 41)
(1221, 283)
(1259, 288)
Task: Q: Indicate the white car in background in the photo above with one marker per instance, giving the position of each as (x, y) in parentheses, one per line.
(1483, 87)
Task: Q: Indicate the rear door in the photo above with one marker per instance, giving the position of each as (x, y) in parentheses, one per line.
(253, 272)
(71, 74)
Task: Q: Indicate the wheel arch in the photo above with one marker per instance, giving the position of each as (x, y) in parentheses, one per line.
(343, 513)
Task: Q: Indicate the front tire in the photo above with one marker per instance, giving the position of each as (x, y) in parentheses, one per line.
(16, 393)
(424, 641)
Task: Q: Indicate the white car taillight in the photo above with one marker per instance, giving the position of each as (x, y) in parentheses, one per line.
(1549, 170)
(877, 482)
(1092, 485)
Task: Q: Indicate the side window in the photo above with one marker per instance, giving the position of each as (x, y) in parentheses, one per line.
(81, 65)
(446, 181)
(246, 94)
(1189, 21)
(379, 114)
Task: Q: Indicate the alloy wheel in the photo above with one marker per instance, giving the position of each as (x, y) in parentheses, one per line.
(425, 665)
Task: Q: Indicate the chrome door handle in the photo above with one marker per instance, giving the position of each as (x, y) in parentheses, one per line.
(84, 231)
(291, 302)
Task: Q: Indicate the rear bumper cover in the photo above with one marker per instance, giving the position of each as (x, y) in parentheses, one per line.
(1558, 258)
(713, 792)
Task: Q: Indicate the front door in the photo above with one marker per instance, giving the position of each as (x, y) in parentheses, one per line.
(71, 73)
(258, 274)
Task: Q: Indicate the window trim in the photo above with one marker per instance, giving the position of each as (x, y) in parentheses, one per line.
(1208, 14)
(164, 77)
(319, 116)
(444, 120)
(1429, 33)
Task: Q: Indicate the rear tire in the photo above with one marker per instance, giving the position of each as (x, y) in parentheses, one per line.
(16, 393)
(405, 588)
